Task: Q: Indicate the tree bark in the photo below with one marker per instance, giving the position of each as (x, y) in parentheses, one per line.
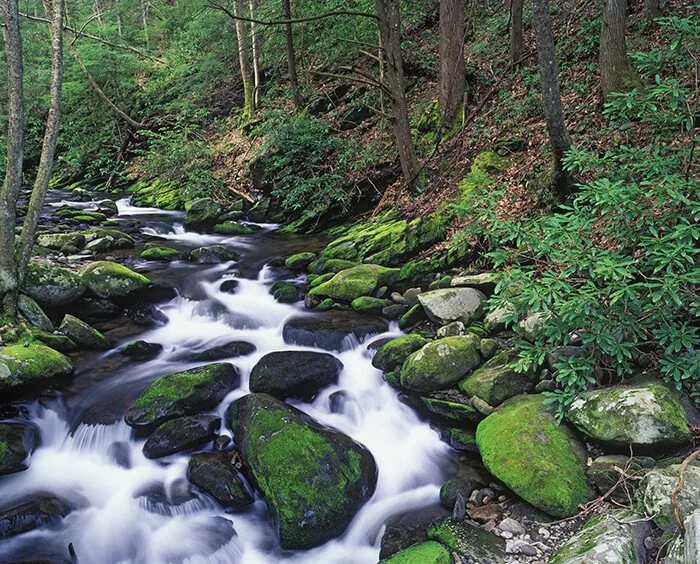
(9, 279)
(257, 50)
(551, 95)
(652, 9)
(54, 9)
(516, 31)
(244, 60)
(389, 20)
(451, 54)
(613, 47)
(291, 57)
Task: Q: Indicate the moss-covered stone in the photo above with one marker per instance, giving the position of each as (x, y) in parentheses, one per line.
(82, 334)
(142, 350)
(111, 280)
(330, 266)
(393, 354)
(451, 410)
(313, 477)
(299, 261)
(232, 228)
(117, 239)
(21, 365)
(456, 487)
(470, 542)
(57, 241)
(215, 474)
(202, 213)
(55, 341)
(33, 313)
(440, 283)
(52, 286)
(212, 254)
(370, 305)
(159, 253)
(182, 393)
(158, 193)
(180, 434)
(497, 380)
(354, 282)
(412, 317)
(524, 447)
(440, 364)
(319, 279)
(429, 552)
(284, 292)
(656, 493)
(17, 442)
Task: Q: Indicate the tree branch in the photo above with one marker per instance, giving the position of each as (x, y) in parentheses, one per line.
(324, 15)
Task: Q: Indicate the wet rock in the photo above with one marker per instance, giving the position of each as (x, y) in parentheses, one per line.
(231, 349)
(457, 487)
(33, 313)
(82, 334)
(370, 305)
(55, 341)
(183, 433)
(412, 317)
(522, 444)
(458, 411)
(393, 353)
(299, 261)
(148, 294)
(485, 282)
(232, 228)
(229, 286)
(440, 364)
(407, 529)
(212, 254)
(111, 280)
(116, 239)
(52, 286)
(411, 296)
(160, 253)
(17, 442)
(452, 304)
(142, 350)
(96, 308)
(56, 241)
(656, 491)
(202, 214)
(470, 542)
(360, 280)
(313, 477)
(324, 266)
(147, 316)
(394, 312)
(182, 393)
(216, 474)
(221, 442)
(331, 330)
(294, 373)
(32, 512)
(284, 292)
(119, 453)
(428, 552)
(23, 365)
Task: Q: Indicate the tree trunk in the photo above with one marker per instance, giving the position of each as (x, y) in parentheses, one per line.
(291, 57)
(54, 12)
(451, 53)
(551, 96)
(389, 21)
(257, 50)
(516, 31)
(652, 9)
(613, 47)
(244, 60)
(9, 280)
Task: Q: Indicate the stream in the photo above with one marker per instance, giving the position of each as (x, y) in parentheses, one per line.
(132, 509)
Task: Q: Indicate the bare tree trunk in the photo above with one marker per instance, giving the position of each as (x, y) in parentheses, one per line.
(291, 57)
(9, 279)
(516, 31)
(451, 53)
(389, 21)
(652, 9)
(257, 49)
(54, 12)
(551, 96)
(613, 47)
(244, 60)
(144, 19)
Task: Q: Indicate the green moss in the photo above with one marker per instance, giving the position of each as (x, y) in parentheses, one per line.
(110, 279)
(25, 363)
(360, 280)
(159, 253)
(442, 282)
(429, 552)
(470, 542)
(172, 387)
(332, 266)
(299, 261)
(368, 304)
(395, 352)
(497, 380)
(479, 177)
(452, 410)
(232, 228)
(158, 193)
(320, 279)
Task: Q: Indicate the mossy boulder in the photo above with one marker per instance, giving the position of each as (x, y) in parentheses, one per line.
(212, 254)
(82, 334)
(180, 434)
(428, 552)
(182, 393)
(456, 487)
(524, 447)
(116, 239)
(656, 491)
(112, 280)
(159, 253)
(453, 304)
(232, 228)
(22, 365)
(202, 214)
(354, 282)
(33, 313)
(318, 279)
(497, 380)
(313, 477)
(368, 304)
(412, 317)
(299, 261)
(330, 266)
(142, 350)
(646, 414)
(285, 292)
(56, 241)
(440, 364)
(17, 442)
(216, 474)
(468, 541)
(51, 285)
(393, 354)
(55, 341)
(456, 411)
(294, 373)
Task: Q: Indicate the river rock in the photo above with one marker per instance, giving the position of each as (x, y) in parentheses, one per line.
(393, 354)
(313, 477)
(55, 341)
(231, 349)
(96, 308)
(522, 444)
(294, 373)
(202, 214)
(284, 292)
(20, 365)
(370, 305)
(497, 380)
(82, 334)
(17, 442)
(428, 552)
(412, 317)
(656, 490)
(299, 261)
(232, 228)
(180, 434)
(452, 304)
(614, 537)
(460, 411)
(485, 282)
(111, 280)
(604, 476)
(472, 543)
(34, 314)
(32, 512)
(407, 529)
(331, 330)
(142, 350)
(159, 253)
(117, 239)
(351, 283)
(456, 487)
(647, 414)
(52, 286)
(56, 241)
(213, 254)
(216, 474)
(182, 393)
(330, 266)
(440, 364)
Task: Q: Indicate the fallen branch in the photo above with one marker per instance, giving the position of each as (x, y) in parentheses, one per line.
(679, 487)
(324, 15)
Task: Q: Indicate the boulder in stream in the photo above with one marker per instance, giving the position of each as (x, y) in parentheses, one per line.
(33, 313)
(180, 434)
(212, 254)
(17, 442)
(111, 280)
(229, 350)
(32, 512)
(330, 331)
(142, 350)
(82, 334)
(51, 285)
(351, 283)
(22, 365)
(216, 474)
(202, 214)
(393, 353)
(471, 543)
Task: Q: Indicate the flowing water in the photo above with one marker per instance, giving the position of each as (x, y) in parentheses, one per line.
(132, 509)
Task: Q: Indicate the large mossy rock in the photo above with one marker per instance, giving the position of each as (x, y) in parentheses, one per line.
(471, 543)
(331, 331)
(212, 254)
(497, 380)
(452, 304)
(182, 393)
(393, 354)
(215, 473)
(33, 313)
(647, 414)
(82, 334)
(524, 447)
(440, 364)
(24, 365)
(180, 434)
(111, 280)
(351, 283)
(112, 239)
(656, 491)
(232, 228)
(52, 286)
(56, 241)
(17, 442)
(313, 477)
(294, 373)
(299, 261)
(202, 214)
(428, 552)
(614, 537)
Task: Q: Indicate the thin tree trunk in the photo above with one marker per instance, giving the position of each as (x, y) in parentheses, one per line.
(244, 60)
(652, 9)
(551, 95)
(389, 20)
(54, 9)
(291, 57)
(516, 31)
(257, 49)
(613, 47)
(9, 280)
(451, 54)
(144, 20)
